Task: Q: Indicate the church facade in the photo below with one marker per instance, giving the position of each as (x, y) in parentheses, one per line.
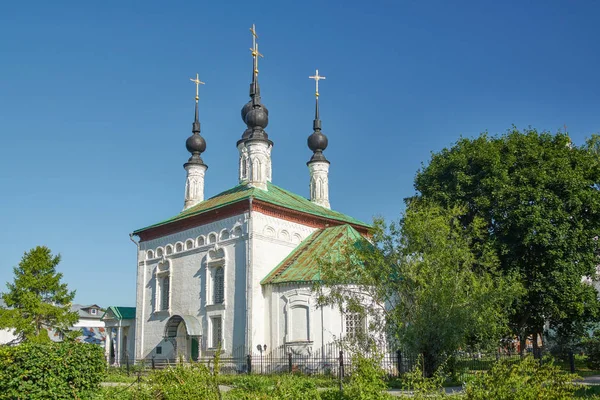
(235, 270)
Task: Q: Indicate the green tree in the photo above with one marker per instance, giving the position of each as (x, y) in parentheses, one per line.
(37, 299)
(537, 195)
(421, 285)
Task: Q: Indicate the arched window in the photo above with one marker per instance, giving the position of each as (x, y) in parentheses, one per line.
(162, 289)
(149, 254)
(201, 241)
(178, 247)
(169, 249)
(159, 252)
(189, 244)
(224, 234)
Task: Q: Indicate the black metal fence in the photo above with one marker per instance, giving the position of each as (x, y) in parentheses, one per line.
(333, 360)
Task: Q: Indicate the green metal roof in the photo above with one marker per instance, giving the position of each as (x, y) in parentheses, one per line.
(302, 265)
(121, 312)
(273, 195)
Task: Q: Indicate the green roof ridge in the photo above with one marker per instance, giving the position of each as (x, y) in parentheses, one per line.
(273, 195)
(121, 312)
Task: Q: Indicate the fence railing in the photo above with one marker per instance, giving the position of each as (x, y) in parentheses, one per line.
(333, 360)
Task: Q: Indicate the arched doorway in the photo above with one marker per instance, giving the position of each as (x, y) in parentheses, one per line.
(184, 332)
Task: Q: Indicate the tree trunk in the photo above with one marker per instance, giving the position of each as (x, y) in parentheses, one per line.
(429, 364)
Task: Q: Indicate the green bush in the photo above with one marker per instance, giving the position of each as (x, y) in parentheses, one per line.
(183, 381)
(274, 387)
(50, 370)
(525, 380)
(367, 379)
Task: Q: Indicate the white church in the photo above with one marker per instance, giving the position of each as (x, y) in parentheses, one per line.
(235, 270)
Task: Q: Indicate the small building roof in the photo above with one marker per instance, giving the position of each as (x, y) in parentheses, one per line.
(84, 311)
(302, 264)
(273, 195)
(114, 312)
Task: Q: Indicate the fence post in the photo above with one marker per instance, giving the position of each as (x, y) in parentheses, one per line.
(399, 362)
(153, 366)
(249, 363)
(341, 371)
(572, 361)
(290, 362)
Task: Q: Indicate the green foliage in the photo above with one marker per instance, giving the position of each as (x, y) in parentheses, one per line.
(592, 350)
(367, 378)
(184, 381)
(37, 299)
(420, 284)
(537, 196)
(51, 370)
(524, 380)
(276, 387)
(422, 387)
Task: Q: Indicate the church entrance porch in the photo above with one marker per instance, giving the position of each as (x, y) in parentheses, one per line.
(184, 333)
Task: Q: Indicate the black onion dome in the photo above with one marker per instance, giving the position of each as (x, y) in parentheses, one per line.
(247, 107)
(195, 144)
(258, 117)
(317, 141)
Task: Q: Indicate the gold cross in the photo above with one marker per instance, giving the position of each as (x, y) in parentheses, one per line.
(317, 78)
(254, 48)
(198, 82)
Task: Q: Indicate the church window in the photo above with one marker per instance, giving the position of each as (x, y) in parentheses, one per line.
(159, 252)
(219, 286)
(189, 244)
(149, 254)
(178, 247)
(164, 293)
(212, 238)
(162, 288)
(201, 241)
(354, 324)
(169, 249)
(299, 324)
(217, 331)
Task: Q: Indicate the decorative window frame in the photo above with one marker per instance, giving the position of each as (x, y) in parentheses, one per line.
(297, 298)
(363, 324)
(216, 258)
(163, 270)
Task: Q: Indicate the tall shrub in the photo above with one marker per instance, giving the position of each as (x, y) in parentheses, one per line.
(50, 370)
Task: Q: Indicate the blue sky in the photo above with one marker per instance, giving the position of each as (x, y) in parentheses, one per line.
(96, 104)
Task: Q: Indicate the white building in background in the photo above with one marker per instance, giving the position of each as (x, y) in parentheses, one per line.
(119, 324)
(236, 269)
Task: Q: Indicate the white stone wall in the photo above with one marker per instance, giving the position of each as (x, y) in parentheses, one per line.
(186, 254)
(249, 246)
(273, 239)
(319, 183)
(325, 324)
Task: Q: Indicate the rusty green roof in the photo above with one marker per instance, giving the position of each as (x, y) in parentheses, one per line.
(273, 195)
(302, 265)
(121, 312)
